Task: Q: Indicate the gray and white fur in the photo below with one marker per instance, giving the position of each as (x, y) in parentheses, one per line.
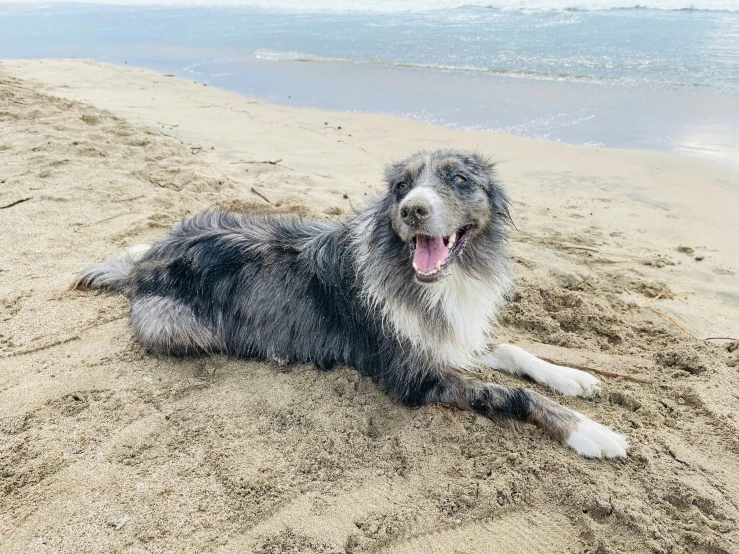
(404, 290)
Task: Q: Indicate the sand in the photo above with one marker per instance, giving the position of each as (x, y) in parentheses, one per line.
(107, 449)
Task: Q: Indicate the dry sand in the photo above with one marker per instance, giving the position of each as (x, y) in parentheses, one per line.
(107, 449)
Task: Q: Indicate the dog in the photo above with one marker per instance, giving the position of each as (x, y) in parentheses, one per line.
(405, 290)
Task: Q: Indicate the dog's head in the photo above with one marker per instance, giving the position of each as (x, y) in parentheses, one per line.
(442, 203)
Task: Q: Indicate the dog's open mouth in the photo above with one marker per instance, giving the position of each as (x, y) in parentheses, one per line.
(432, 255)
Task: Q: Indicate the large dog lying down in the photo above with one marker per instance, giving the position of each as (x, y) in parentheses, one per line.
(404, 290)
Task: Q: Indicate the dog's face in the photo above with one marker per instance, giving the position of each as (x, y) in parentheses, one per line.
(441, 202)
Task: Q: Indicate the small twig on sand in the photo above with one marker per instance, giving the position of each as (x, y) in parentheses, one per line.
(651, 301)
(260, 195)
(639, 378)
(719, 338)
(16, 202)
(573, 247)
(270, 162)
(195, 149)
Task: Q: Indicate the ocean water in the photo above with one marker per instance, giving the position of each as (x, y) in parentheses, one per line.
(663, 75)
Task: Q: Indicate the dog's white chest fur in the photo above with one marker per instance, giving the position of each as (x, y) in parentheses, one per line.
(463, 309)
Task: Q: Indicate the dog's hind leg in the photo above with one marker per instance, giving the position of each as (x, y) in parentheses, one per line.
(167, 326)
(564, 380)
(585, 436)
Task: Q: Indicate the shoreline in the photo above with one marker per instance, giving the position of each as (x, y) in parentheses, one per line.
(616, 116)
(57, 83)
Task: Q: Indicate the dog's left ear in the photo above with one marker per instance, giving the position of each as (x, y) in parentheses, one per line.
(496, 193)
(394, 172)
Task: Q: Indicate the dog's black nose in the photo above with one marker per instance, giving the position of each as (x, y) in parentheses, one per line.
(415, 212)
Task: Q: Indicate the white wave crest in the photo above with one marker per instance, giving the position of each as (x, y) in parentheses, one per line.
(271, 55)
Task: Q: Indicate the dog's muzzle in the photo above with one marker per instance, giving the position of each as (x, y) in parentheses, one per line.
(432, 255)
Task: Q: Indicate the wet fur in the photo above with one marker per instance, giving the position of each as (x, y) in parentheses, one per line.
(342, 292)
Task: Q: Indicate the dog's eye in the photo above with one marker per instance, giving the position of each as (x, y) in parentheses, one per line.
(458, 179)
(402, 186)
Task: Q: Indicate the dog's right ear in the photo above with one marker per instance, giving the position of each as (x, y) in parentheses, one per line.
(498, 197)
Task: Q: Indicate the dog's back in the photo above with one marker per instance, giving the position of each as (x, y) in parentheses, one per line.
(251, 286)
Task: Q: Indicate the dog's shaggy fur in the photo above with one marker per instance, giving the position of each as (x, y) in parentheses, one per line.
(404, 290)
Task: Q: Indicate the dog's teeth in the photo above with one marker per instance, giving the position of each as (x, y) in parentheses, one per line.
(415, 266)
(428, 273)
(438, 265)
(452, 240)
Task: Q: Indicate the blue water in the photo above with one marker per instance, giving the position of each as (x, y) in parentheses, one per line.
(625, 77)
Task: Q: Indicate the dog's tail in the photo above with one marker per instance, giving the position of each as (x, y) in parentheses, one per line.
(111, 275)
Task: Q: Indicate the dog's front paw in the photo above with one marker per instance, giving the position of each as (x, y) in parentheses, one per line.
(593, 440)
(573, 382)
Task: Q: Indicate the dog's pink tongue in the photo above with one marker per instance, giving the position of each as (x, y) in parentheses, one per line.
(429, 251)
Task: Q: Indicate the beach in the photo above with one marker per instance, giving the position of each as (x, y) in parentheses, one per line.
(625, 261)
(658, 76)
